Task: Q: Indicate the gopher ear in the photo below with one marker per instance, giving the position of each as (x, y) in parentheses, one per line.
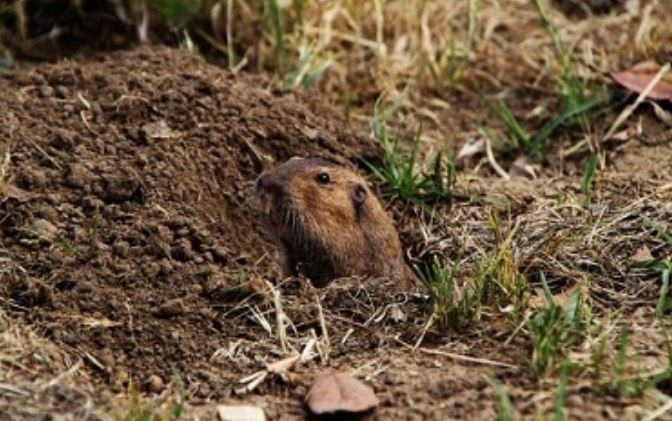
(358, 198)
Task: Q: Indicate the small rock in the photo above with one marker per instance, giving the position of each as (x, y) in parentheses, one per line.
(46, 91)
(158, 130)
(183, 251)
(78, 176)
(121, 248)
(62, 92)
(171, 308)
(240, 413)
(397, 315)
(154, 383)
(642, 255)
(121, 379)
(141, 160)
(44, 229)
(123, 188)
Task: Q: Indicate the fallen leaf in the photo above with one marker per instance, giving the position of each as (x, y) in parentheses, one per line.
(540, 301)
(339, 392)
(471, 148)
(240, 413)
(639, 76)
(664, 116)
(642, 255)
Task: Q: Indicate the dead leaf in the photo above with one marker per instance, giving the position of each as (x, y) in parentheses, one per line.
(339, 392)
(472, 147)
(540, 301)
(642, 255)
(664, 116)
(639, 76)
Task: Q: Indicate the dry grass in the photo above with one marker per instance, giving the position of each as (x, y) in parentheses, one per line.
(38, 379)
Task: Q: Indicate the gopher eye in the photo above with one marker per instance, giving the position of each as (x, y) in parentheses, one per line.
(322, 178)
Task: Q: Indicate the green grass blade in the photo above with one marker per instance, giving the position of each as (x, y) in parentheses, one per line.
(539, 142)
(561, 394)
(503, 406)
(587, 183)
(662, 304)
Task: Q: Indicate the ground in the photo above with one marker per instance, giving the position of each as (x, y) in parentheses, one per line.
(135, 275)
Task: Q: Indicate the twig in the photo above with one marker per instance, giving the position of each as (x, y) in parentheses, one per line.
(465, 358)
(457, 357)
(58, 379)
(427, 326)
(660, 411)
(493, 162)
(279, 317)
(323, 325)
(278, 367)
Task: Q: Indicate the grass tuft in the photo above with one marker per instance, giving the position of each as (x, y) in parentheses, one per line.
(503, 407)
(402, 171)
(554, 328)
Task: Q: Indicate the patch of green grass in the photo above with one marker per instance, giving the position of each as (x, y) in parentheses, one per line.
(561, 394)
(494, 281)
(451, 306)
(663, 304)
(306, 71)
(664, 265)
(275, 17)
(623, 382)
(177, 12)
(457, 57)
(402, 171)
(587, 184)
(142, 409)
(503, 407)
(554, 328)
(580, 100)
(64, 245)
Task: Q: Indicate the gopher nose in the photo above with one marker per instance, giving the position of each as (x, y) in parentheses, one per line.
(267, 185)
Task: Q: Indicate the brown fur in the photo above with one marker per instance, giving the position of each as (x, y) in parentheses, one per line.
(327, 230)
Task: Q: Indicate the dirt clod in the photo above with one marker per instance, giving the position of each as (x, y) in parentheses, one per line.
(154, 383)
(171, 308)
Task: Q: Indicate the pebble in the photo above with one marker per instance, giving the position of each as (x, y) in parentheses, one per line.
(154, 383)
(171, 308)
(44, 229)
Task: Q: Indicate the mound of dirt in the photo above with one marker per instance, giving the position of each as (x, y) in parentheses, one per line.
(125, 200)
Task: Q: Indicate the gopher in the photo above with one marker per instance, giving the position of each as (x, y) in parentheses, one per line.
(328, 224)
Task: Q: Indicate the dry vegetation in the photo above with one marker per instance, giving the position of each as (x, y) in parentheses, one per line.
(546, 255)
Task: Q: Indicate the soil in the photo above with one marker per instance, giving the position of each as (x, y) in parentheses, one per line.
(129, 201)
(126, 209)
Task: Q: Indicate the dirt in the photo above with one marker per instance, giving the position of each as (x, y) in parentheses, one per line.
(126, 212)
(128, 200)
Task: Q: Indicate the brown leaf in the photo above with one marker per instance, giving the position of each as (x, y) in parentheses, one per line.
(334, 392)
(539, 301)
(642, 255)
(639, 76)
